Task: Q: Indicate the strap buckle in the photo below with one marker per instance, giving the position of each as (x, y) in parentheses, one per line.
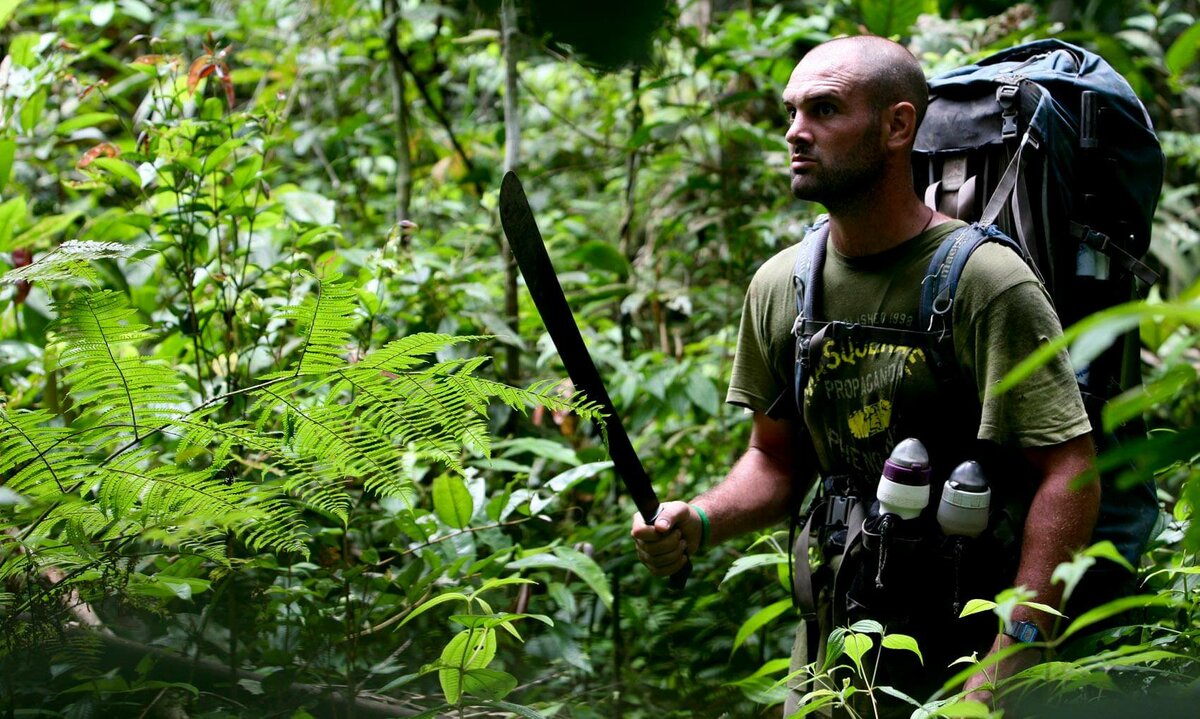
(1006, 96)
(837, 510)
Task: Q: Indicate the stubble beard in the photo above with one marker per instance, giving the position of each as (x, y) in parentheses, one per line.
(851, 182)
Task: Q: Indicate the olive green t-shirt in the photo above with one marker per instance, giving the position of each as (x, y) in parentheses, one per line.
(1001, 313)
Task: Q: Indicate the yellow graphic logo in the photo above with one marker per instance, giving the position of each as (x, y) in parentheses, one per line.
(871, 420)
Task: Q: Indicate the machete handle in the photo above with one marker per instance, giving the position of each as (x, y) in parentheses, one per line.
(679, 579)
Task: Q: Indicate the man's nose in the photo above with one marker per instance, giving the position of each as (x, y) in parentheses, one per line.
(797, 132)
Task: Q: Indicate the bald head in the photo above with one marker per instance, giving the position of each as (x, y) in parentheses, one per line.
(888, 72)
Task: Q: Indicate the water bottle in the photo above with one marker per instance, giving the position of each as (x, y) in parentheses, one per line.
(963, 515)
(902, 494)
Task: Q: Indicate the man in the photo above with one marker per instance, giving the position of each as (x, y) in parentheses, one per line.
(854, 106)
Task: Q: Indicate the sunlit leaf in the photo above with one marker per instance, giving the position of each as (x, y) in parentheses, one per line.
(760, 619)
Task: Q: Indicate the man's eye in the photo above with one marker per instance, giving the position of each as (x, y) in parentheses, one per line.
(791, 113)
(823, 109)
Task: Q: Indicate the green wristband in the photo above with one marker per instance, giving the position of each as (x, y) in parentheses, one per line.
(705, 528)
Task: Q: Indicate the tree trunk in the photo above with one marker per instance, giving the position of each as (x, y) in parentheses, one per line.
(512, 150)
(391, 22)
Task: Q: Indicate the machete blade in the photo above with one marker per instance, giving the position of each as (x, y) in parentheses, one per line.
(530, 251)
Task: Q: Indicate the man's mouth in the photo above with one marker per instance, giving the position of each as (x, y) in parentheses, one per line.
(800, 162)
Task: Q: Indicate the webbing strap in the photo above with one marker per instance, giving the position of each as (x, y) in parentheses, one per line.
(804, 598)
(853, 532)
(1027, 236)
(1004, 188)
(1104, 243)
(819, 332)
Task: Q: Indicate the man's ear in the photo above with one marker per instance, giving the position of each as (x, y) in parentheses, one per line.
(900, 125)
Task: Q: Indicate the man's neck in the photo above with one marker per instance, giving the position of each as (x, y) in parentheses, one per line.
(879, 221)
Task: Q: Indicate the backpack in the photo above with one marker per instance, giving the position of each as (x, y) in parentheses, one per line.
(1043, 148)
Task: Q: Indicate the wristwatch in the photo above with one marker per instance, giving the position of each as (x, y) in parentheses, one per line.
(1024, 632)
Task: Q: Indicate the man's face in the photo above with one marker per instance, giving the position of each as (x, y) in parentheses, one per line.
(835, 137)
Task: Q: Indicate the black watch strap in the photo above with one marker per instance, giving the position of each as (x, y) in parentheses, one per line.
(1024, 632)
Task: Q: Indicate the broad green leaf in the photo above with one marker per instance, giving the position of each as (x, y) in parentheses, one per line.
(703, 392)
(601, 255)
(867, 626)
(975, 606)
(520, 709)
(102, 13)
(118, 167)
(556, 451)
(903, 642)
(88, 119)
(1183, 51)
(834, 648)
(1113, 608)
(965, 709)
(488, 683)
(452, 501)
(566, 558)
(1106, 550)
(758, 620)
(8, 150)
(574, 475)
(815, 702)
(1043, 608)
(309, 208)
(440, 599)
(856, 646)
(754, 561)
(12, 213)
(38, 237)
(893, 17)
(890, 691)
(469, 649)
(7, 8)
(217, 156)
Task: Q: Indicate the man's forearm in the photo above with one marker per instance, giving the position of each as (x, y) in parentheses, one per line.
(1060, 522)
(758, 492)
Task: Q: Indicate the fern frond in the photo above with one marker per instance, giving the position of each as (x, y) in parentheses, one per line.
(99, 336)
(69, 261)
(324, 322)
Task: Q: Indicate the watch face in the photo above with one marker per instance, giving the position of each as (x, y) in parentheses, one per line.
(1024, 632)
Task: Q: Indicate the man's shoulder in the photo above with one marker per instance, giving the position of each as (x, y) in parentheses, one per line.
(992, 269)
(776, 272)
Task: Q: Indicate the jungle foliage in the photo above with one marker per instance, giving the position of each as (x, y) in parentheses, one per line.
(282, 435)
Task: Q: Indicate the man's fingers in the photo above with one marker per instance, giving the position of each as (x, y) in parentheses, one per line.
(664, 564)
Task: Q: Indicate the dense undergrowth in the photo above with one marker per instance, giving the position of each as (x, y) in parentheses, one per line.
(256, 457)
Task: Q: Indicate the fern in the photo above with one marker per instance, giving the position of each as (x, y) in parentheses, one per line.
(99, 339)
(69, 261)
(324, 323)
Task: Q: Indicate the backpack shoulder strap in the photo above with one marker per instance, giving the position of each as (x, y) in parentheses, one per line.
(806, 280)
(935, 311)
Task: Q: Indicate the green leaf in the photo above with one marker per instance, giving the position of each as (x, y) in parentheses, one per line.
(217, 156)
(470, 649)
(8, 150)
(566, 558)
(1043, 608)
(488, 683)
(510, 707)
(903, 642)
(976, 606)
(309, 208)
(1183, 51)
(11, 214)
(575, 475)
(601, 255)
(856, 646)
(118, 167)
(38, 237)
(554, 451)
(867, 626)
(890, 691)
(892, 17)
(1106, 550)
(1113, 608)
(754, 561)
(452, 501)
(7, 8)
(440, 599)
(965, 709)
(88, 119)
(703, 392)
(758, 620)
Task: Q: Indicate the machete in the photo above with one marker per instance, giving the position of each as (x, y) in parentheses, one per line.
(530, 251)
